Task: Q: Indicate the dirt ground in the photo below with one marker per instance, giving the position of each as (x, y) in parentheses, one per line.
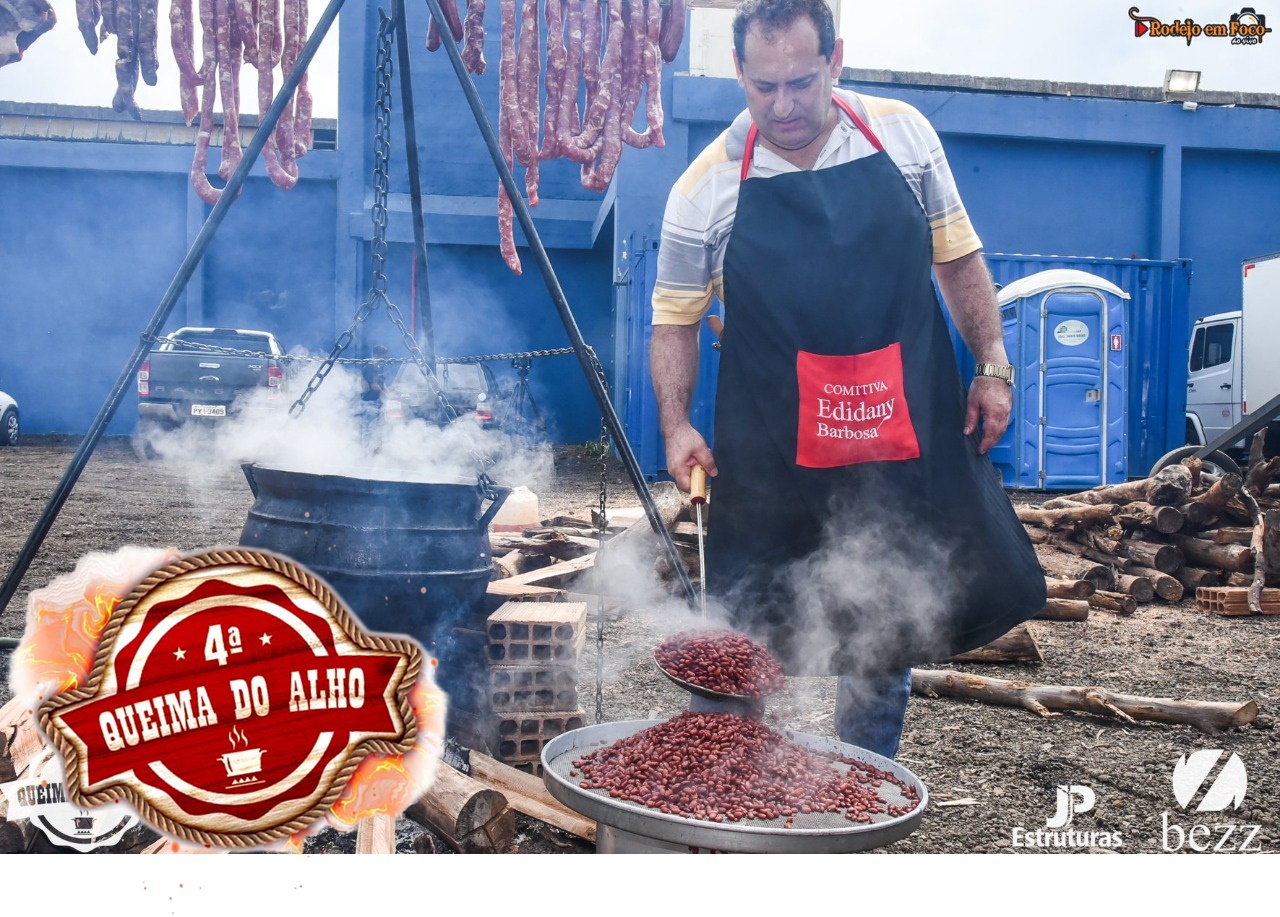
(988, 769)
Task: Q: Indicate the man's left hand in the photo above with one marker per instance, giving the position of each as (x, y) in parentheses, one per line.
(990, 400)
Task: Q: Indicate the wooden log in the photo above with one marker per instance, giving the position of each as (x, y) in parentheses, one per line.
(1231, 534)
(1056, 519)
(22, 747)
(1163, 557)
(1194, 578)
(1064, 610)
(1197, 516)
(1167, 586)
(1169, 486)
(1261, 470)
(1206, 553)
(1141, 588)
(1113, 493)
(1162, 519)
(559, 545)
(670, 502)
(1207, 716)
(502, 590)
(556, 575)
(1103, 542)
(513, 563)
(1238, 579)
(376, 834)
(471, 817)
(1269, 556)
(1069, 588)
(1239, 508)
(1065, 566)
(1018, 645)
(1196, 467)
(527, 794)
(1118, 602)
(1062, 503)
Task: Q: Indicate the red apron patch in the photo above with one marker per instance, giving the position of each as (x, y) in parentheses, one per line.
(853, 409)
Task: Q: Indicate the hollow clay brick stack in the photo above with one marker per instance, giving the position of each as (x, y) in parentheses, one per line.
(533, 677)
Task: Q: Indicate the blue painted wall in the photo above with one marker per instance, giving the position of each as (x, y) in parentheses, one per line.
(81, 280)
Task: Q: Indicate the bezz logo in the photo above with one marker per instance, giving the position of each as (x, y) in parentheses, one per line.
(1218, 785)
(1227, 788)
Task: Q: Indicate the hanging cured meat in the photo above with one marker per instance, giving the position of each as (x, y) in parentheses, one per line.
(265, 34)
(605, 54)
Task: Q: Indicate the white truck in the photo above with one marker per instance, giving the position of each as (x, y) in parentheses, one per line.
(1234, 366)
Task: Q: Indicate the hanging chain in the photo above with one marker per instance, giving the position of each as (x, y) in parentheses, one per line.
(383, 72)
(602, 523)
(381, 181)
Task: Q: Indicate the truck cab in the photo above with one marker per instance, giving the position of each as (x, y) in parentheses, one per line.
(1214, 377)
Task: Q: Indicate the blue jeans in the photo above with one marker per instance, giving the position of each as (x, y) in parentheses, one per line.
(870, 710)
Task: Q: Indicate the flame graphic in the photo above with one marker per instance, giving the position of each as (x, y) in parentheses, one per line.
(66, 618)
(389, 784)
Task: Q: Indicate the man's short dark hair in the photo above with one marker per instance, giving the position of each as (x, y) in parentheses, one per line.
(770, 16)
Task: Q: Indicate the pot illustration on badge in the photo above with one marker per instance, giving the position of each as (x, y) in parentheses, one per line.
(244, 764)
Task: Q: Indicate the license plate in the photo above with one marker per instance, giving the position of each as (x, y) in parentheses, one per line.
(208, 410)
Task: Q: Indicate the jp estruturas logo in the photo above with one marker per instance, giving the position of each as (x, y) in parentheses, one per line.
(1075, 799)
(1247, 27)
(1225, 790)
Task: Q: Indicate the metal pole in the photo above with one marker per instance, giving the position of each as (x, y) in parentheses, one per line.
(562, 306)
(167, 302)
(428, 345)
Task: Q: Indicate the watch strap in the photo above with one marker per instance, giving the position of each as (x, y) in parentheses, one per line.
(997, 370)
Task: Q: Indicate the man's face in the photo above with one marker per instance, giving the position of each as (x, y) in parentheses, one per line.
(788, 83)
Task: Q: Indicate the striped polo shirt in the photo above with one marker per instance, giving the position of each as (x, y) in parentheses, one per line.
(701, 207)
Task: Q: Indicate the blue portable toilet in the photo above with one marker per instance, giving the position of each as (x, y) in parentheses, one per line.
(1066, 333)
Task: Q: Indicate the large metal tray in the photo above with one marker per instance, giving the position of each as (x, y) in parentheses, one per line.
(816, 833)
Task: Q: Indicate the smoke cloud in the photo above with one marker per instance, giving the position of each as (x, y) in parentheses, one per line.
(338, 434)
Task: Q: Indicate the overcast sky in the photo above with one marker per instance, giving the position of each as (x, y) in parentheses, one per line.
(1081, 40)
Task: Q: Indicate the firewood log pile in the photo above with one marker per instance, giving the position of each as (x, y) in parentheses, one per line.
(1117, 546)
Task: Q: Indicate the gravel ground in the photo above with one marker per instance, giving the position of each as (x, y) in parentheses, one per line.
(989, 769)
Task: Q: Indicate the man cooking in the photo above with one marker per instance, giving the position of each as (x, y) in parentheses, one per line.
(841, 417)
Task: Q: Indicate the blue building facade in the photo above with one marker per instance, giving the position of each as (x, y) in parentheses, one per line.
(96, 214)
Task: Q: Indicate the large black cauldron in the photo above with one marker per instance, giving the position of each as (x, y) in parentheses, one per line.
(406, 557)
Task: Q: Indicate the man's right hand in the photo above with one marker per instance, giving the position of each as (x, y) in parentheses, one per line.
(686, 448)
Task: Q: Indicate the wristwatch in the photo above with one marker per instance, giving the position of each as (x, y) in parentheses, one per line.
(999, 370)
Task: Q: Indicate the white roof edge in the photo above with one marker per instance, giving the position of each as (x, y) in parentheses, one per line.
(1056, 278)
(1220, 316)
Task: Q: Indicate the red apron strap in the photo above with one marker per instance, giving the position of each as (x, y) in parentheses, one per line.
(754, 132)
(858, 123)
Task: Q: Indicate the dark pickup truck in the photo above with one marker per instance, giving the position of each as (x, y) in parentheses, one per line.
(193, 373)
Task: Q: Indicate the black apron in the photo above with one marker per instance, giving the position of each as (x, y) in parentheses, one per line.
(854, 527)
